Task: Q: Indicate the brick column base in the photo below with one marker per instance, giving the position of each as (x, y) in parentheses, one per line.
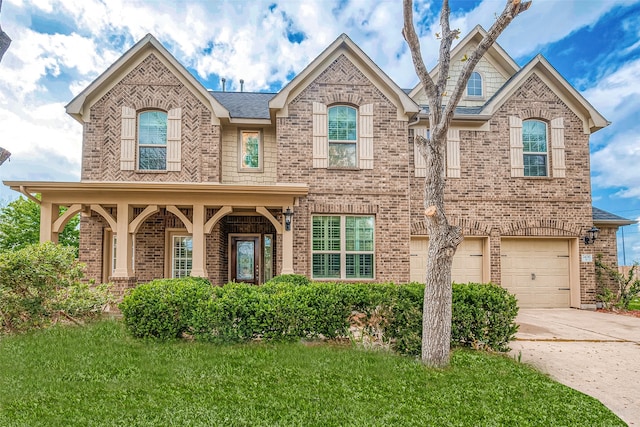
(120, 286)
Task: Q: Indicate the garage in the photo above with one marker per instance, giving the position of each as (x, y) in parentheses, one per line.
(537, 271)
(467, 263)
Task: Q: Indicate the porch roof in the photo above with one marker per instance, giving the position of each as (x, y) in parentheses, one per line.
(161, 193)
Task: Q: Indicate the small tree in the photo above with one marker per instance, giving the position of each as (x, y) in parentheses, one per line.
(20, 226)
(443, 237)
(626, 286)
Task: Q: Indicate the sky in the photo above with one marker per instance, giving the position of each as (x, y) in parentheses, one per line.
(60, 46)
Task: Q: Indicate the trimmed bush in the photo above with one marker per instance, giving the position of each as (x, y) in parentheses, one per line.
(483, 316)
(163, 308)
(292, 279)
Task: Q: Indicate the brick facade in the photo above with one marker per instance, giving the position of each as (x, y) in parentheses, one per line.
(485, 201)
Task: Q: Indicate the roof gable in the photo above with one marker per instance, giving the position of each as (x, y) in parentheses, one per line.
(592, 119)
(495, 57)
(343, 45)
(79, 107)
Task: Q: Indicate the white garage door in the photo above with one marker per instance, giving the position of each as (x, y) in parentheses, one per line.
(536, 271)
(467, 262)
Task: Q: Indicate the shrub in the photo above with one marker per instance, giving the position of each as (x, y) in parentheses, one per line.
(626, 287)
(164, 308)
(278, 310)
(31, 282)
(483, 316)
(83, 301)
(293, 279)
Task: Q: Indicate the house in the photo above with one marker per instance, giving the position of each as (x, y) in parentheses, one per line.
(323, 178)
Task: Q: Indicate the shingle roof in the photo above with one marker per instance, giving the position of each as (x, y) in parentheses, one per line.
(601, 216)
(424, 109)
(245, 105)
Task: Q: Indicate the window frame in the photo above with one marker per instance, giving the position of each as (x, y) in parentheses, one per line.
(343, 252)
(169, 261)
(467, 94)
(355, 142)
(545, 153)
(139, 145)
(241, 165)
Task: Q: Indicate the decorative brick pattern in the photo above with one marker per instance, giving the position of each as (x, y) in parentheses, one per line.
(150, 85)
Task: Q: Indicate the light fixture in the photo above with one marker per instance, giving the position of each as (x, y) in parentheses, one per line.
(591, 236)
(287, 219)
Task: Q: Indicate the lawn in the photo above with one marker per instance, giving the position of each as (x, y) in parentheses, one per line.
(98, 376)
(634, 304)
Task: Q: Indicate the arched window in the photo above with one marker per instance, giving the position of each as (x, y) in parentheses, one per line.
(534, 148)
(152, 140)
(343, 136)
(474, 85)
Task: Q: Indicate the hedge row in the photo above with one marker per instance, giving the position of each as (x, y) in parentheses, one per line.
(290, 307)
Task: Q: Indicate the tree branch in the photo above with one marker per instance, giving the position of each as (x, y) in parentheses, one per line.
(512, 9)
(410, 36)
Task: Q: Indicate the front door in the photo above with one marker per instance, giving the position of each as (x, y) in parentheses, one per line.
(245, 259)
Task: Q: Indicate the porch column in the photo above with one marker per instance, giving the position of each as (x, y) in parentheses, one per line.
(198, 266)
(48, 215)
(287, 249)
(123, 250)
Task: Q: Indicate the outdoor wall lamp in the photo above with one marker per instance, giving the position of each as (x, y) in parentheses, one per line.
(287, 219)
(591, 236)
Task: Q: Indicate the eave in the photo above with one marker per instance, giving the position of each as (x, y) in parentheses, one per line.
(161, 193)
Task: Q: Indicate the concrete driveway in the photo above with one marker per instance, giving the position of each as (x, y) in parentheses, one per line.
(595, 353)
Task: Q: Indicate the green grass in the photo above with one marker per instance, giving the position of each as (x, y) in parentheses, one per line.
(634, 304)
(98, 376)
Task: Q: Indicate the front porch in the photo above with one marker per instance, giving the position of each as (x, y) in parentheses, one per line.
(218, 231)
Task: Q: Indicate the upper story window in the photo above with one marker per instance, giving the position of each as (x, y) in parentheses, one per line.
(474, 85)
(250, 151)
(152, 140)
(343, 137)
(534, 148)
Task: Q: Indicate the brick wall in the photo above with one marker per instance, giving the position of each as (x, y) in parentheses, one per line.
(150, 86)
(487, 201)
(381, 191)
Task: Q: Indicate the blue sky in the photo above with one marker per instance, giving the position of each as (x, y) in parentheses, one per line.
(60, 46)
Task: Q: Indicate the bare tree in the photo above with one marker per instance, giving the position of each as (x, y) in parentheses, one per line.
(443, 237)
(5, 41)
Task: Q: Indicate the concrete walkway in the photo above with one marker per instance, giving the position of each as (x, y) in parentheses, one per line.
(595, 353)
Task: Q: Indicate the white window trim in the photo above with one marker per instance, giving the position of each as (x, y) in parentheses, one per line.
(170, 233)
(260, 167)
(139, 145)
(355, 142)
(482, 88)
(343, 251)
(536, 153)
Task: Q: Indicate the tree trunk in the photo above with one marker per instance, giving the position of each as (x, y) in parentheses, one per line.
(443, 238)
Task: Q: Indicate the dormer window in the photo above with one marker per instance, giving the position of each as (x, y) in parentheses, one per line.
(343, 137)
(152, 140)
(474, 85)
